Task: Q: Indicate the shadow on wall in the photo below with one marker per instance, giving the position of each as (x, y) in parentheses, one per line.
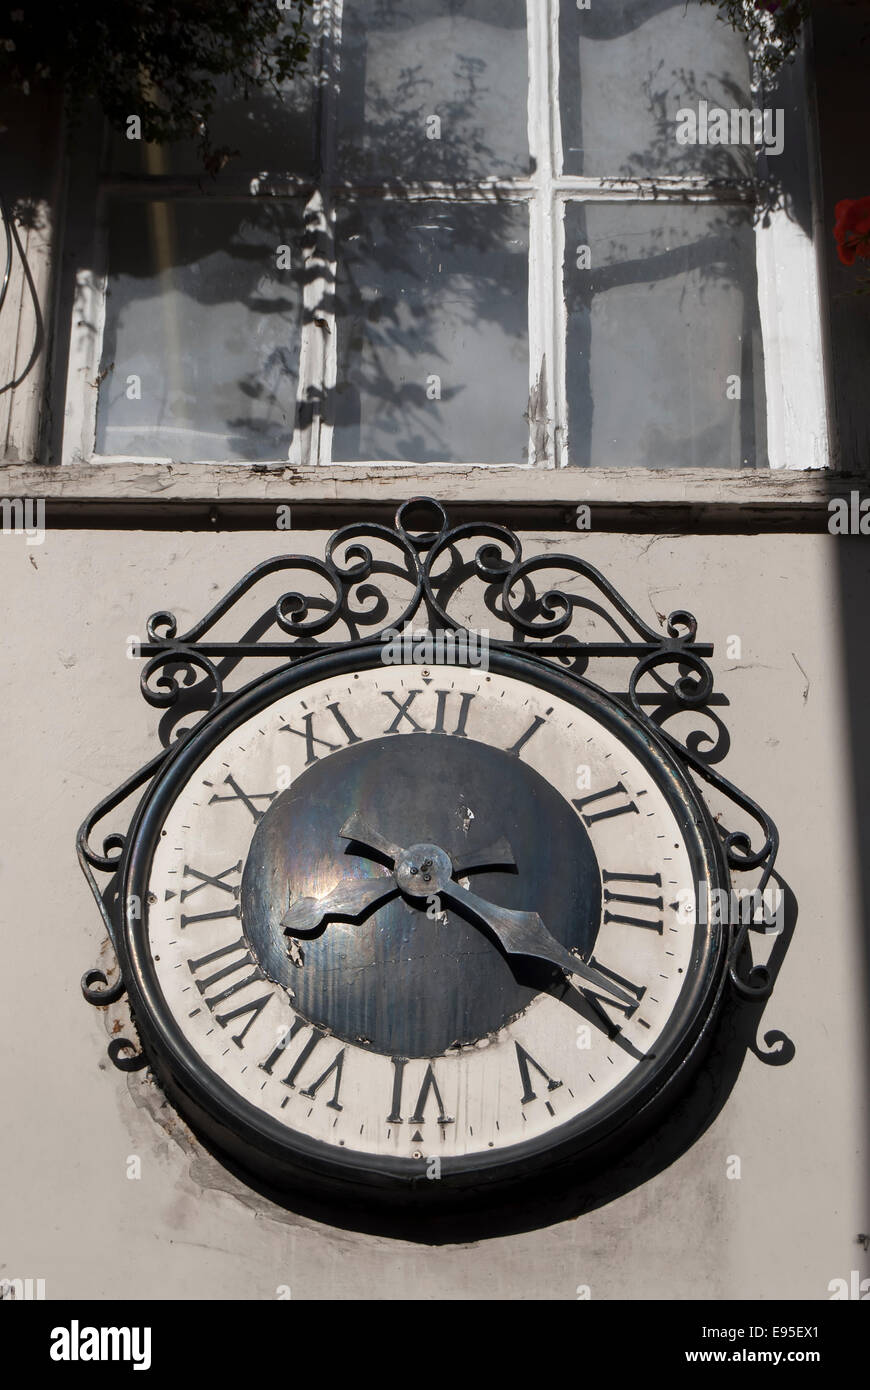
(842, 51)
(740, 1030)
(841, 31)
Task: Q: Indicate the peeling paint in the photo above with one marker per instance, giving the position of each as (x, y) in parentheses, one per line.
(537, 416)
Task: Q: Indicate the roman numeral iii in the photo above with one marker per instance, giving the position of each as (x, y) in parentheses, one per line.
(635, 909)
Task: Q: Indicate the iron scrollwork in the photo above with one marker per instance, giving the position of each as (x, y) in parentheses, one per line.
(358, 599)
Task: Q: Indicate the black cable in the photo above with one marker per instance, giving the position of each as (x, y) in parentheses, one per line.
(8, 269)
(12, 235)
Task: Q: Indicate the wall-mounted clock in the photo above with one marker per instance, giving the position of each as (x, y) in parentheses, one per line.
(423, 931)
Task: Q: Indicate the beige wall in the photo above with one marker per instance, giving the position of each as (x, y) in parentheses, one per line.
(75, 725)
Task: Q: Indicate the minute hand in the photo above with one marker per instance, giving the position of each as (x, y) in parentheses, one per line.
(524, 934)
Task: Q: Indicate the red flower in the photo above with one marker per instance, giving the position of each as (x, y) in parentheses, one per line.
(852, 229)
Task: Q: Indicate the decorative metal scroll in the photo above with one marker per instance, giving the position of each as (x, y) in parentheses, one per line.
(424, 555)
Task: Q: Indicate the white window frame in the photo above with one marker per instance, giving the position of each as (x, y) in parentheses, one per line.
(786, 267)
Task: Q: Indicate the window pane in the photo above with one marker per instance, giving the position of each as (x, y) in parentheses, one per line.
(432, 333)
(433, 89)
(627, 67)
(201, 345)
(269, 133)
(664, 349)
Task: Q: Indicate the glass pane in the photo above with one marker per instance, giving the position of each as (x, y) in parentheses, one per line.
(267, 132)
(201, 344)
(664, 347)
(433, 89)
(627, 67)
(432, 333)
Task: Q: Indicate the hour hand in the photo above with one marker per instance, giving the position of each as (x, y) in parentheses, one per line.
(498, 855)
(524, 933)
(348, 898)
(356, 828)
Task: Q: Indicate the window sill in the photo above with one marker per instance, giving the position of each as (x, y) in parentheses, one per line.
(240, 496)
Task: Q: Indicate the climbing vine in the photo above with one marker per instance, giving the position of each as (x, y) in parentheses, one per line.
(164, 61)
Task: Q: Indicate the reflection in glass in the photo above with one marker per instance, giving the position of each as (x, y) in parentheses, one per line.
(433, 89)
(268, 131)
(201, 343)
(627, 67)
(432, 332)
(664, 358)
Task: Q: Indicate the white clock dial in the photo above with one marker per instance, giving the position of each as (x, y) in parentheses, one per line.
(408, 1032)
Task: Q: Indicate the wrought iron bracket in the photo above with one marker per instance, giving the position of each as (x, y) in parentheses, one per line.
(351, 608)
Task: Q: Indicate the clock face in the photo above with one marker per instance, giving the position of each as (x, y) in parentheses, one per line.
(396, 914)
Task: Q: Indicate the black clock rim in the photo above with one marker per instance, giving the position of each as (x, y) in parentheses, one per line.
(285, 1158)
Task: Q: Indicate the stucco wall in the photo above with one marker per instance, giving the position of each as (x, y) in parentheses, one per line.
(75, 725)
